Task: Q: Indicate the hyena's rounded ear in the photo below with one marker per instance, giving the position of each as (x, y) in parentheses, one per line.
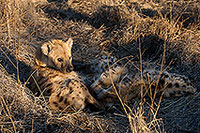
(46, 47)
(69, 43)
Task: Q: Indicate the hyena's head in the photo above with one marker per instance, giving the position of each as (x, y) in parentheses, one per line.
(55, 54)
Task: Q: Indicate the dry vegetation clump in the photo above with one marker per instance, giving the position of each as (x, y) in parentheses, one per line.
(164, 29)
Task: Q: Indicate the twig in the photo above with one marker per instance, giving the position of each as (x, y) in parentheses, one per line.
(4, 104)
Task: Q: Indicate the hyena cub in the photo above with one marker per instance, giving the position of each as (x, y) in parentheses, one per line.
(54, 77)
(118, 75)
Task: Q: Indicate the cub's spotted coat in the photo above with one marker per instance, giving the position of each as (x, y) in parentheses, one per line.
(54, 77)
(128, 82)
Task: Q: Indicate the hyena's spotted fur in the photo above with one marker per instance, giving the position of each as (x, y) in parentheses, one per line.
(128, 81)
(54, 77)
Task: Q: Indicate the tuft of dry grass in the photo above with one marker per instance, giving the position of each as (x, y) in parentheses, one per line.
(141, 29)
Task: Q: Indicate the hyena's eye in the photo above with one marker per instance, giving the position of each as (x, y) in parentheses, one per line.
(60, 60)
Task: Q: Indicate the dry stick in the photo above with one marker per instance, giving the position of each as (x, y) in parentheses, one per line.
(35, 81)
(162, 63)
(17, 57)
(129, 61)
(29, 77)
(16, 46)
(8, 19)
(181, 14)
(130, 121)
(99, 126)
(32, 125)
(149, 88)
(128, 115)
(130, 118)
(116, 90)
(157, 82)
(141, 76)
(8, 58)
(9, 114)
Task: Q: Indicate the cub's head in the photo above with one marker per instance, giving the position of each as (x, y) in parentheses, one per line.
(55, 54)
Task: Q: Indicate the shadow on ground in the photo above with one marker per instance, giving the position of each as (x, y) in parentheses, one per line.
(8, 61)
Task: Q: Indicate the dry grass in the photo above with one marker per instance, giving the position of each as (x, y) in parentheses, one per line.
(115, 26)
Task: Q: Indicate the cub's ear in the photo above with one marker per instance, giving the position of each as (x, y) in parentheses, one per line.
(46, 47)
(69, 43)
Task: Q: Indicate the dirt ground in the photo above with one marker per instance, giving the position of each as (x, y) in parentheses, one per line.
(161, 29)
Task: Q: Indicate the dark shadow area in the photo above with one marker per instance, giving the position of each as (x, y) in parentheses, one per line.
(186, 14)
(68, 14)
(24, 69)
(152, 48)
(149, 12)
(107, 16)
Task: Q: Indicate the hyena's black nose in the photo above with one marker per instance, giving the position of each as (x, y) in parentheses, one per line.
(71, 68)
